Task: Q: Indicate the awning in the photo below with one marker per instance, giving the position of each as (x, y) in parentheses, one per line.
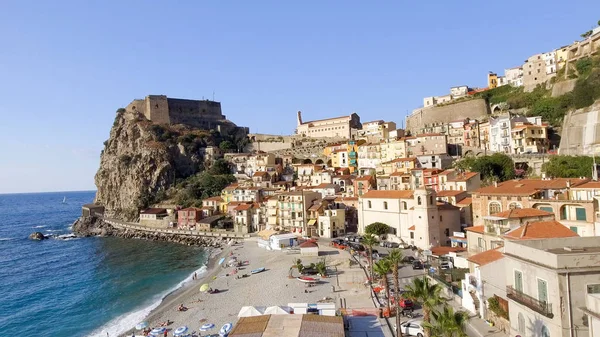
(457, 239)
(312, 222)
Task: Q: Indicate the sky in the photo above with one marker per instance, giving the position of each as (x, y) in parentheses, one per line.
(67, 66)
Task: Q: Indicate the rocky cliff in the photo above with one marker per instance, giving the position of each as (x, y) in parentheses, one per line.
(581, 131)
(141, 160)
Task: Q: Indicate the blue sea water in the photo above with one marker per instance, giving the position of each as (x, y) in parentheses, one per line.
(83, 286)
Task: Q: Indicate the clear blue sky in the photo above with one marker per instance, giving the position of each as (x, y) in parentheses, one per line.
(66, 66)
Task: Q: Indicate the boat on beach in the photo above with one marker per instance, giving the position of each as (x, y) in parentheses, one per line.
(307, 279)
(258, 270)
(225, 330)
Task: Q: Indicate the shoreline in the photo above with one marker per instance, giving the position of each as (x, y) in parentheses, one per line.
(181, 294)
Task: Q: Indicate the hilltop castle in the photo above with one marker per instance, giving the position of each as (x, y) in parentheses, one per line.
(202, 114)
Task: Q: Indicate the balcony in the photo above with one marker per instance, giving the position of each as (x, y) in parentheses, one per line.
(532, 303)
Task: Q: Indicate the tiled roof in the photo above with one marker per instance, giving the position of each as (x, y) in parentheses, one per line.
(590, 185)
(346, 198)
(445, 206)
(260, 174)
(443, 250)
(518, 213)
(487, 256)
(324, 185)
(429, 134)
(154, 211)
(243, 207)
(398, 160)
(308, 244)
(465, 202)
(206, 208)
(465, 176)
(193, 209)
(398, 173)
(449, 193)
(382, 194)
(476, 229)
(411, 228)
(213, 199)
(528, 187)
(367, 177)
(231, 186)
(540, 230)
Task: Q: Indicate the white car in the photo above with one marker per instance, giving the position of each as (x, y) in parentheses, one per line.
(412, 328)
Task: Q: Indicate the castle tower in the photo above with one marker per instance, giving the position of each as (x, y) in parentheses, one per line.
(299, 118)
(426, 219)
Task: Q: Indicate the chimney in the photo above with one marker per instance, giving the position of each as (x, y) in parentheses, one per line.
(495, 183)
(524, 230)
(568, 183)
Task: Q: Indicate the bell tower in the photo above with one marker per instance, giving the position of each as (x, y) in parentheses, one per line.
(299, 117)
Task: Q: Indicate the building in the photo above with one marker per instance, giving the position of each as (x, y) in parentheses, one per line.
(529, 138)
(428, 143)
(435, 161)
(548, 282)
(364, 184)
(292, 208)
(500, 134)
(562, 55)
(471, 136)
(296, 325)
(392, 149)
(376, 131)
(456, 132)
(414, 216)
(326, 190)
(339, 158)
(495, 81)
(514, 76)
(538, 69)
(455, 92)
(153, 216)
(338, 127)
(400, 165)
(369, 157)
(309, 248)
(189, 217)
(459, 181)
(248, 217)
(550, 195)
(459, 91)
(332, 222)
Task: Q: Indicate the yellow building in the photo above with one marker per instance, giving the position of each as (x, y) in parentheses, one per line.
(529, 138)
(227, 196)
(492, 80)
(562, 55)
(393, 149)
(401, 165)
(329, 149)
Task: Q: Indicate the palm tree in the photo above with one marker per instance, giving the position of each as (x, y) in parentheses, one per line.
(395, 257)
(447, 322)
(426, 293)
(382, 268)
(369, 240)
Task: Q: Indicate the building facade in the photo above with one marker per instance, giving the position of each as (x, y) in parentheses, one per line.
(338, 127)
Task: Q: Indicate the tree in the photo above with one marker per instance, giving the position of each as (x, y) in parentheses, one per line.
(369, 240)
(382, 268)
(395, 257)
(447, 323)
(227, 145)
(569, 166)
(377, 228)
(321, 267)
(220, 166)
(497, 166)
(429, 295)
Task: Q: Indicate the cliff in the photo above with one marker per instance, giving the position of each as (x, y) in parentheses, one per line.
(141, 160)
(581, 131)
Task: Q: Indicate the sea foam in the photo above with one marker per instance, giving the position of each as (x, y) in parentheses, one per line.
(126, 322)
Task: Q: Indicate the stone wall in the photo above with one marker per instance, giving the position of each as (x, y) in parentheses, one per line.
(581, 131)
(476, 108)
(561, 88)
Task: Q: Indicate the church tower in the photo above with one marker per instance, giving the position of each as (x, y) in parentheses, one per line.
(426, 219)
(299, 118)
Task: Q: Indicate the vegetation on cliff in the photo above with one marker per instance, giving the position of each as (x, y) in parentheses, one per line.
(569, 166)
(495, 167)
(539, 102)
(192, 190)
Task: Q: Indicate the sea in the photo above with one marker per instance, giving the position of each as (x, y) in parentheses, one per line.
(80, 286)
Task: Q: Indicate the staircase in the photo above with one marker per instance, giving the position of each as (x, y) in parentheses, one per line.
(475, 300)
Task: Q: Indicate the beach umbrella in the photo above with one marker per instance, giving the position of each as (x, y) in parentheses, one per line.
(207, 327)
(141, 326)
(158, 331)
(249, 311)
(204, 287)
(180, 331)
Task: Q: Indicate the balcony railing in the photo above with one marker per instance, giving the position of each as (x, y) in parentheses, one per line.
(532, 303)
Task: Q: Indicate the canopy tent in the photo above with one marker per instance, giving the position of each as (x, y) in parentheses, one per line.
(266, 233)
(249, 311)
(276, 310)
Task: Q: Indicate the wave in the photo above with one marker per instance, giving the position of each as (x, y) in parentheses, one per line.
(54, 230)
(7, 239)
(40, 226)
(126, 322)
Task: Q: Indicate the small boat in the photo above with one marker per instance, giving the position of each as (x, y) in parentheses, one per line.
(221, 261)
(259, 270)
(225, 330)
(64, 200)
(307, 279)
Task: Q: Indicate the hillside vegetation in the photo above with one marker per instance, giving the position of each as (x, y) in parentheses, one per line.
(539, 102)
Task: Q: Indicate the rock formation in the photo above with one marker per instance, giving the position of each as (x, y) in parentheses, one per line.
(37, 236)
(141, 159)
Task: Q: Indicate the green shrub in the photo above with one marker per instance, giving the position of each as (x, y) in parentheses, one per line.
(496, 308)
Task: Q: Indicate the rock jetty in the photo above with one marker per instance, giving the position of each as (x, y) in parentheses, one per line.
(37, 236)
(92, 226)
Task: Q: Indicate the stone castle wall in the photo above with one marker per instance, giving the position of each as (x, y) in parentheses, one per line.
(476, 108)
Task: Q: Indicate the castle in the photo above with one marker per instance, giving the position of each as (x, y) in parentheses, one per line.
(337, 127)
(202, 114)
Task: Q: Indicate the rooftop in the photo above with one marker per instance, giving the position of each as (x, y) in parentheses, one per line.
(154, 211)
(465, 202)
(449, 193)
(443, 250)
(464, 177)
(519, 213)
(487, 256)
(527, 187)
(392, 194)
(363, 178)
(476, 229)
(540, 230)
(289, 326)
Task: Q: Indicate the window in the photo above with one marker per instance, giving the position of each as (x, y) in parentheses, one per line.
(542, 290)
(440, 218)
(494, 208)
(418, 200)
(545, 332)
(431, 200)
(593, 288)
(481, 243)
(369, 203)
(518, 281)
(547, 209)
(580, 214)
(385, 205)
(412, 235)
(521, 323)
(573, 228)
(404, 205)
(514, 205)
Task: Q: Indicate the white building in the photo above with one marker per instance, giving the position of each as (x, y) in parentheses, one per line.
(550, 61)
(514, 76)
(414, 216)
(332, 223)
(548, 283)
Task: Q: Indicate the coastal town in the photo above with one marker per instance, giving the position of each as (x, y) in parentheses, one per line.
(462, 192)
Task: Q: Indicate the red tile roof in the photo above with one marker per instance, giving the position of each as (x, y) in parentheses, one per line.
(487, 256)
(590, 185)
(367, 177)
(528, 187)
(243, 207)
(519, 213)
(260, 174)
(449, 193)
(154, 211)
(540, 230)
(213, 199)
(308, 244)
(382, 194)
(476, 229)
(465, 202)
(398, 160)
(465, 176)
(192, 209)
(445, 206)
(443, 250)
(411, 228)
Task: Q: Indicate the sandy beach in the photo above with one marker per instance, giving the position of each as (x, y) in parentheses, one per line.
(269, 288)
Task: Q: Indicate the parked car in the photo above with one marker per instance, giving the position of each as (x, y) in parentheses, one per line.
(445, 265)
(357, 246)
(417, 265)
(383, 243)
(412, 328)
(408, 259)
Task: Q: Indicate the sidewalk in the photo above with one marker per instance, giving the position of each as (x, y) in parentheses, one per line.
(477, 327)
